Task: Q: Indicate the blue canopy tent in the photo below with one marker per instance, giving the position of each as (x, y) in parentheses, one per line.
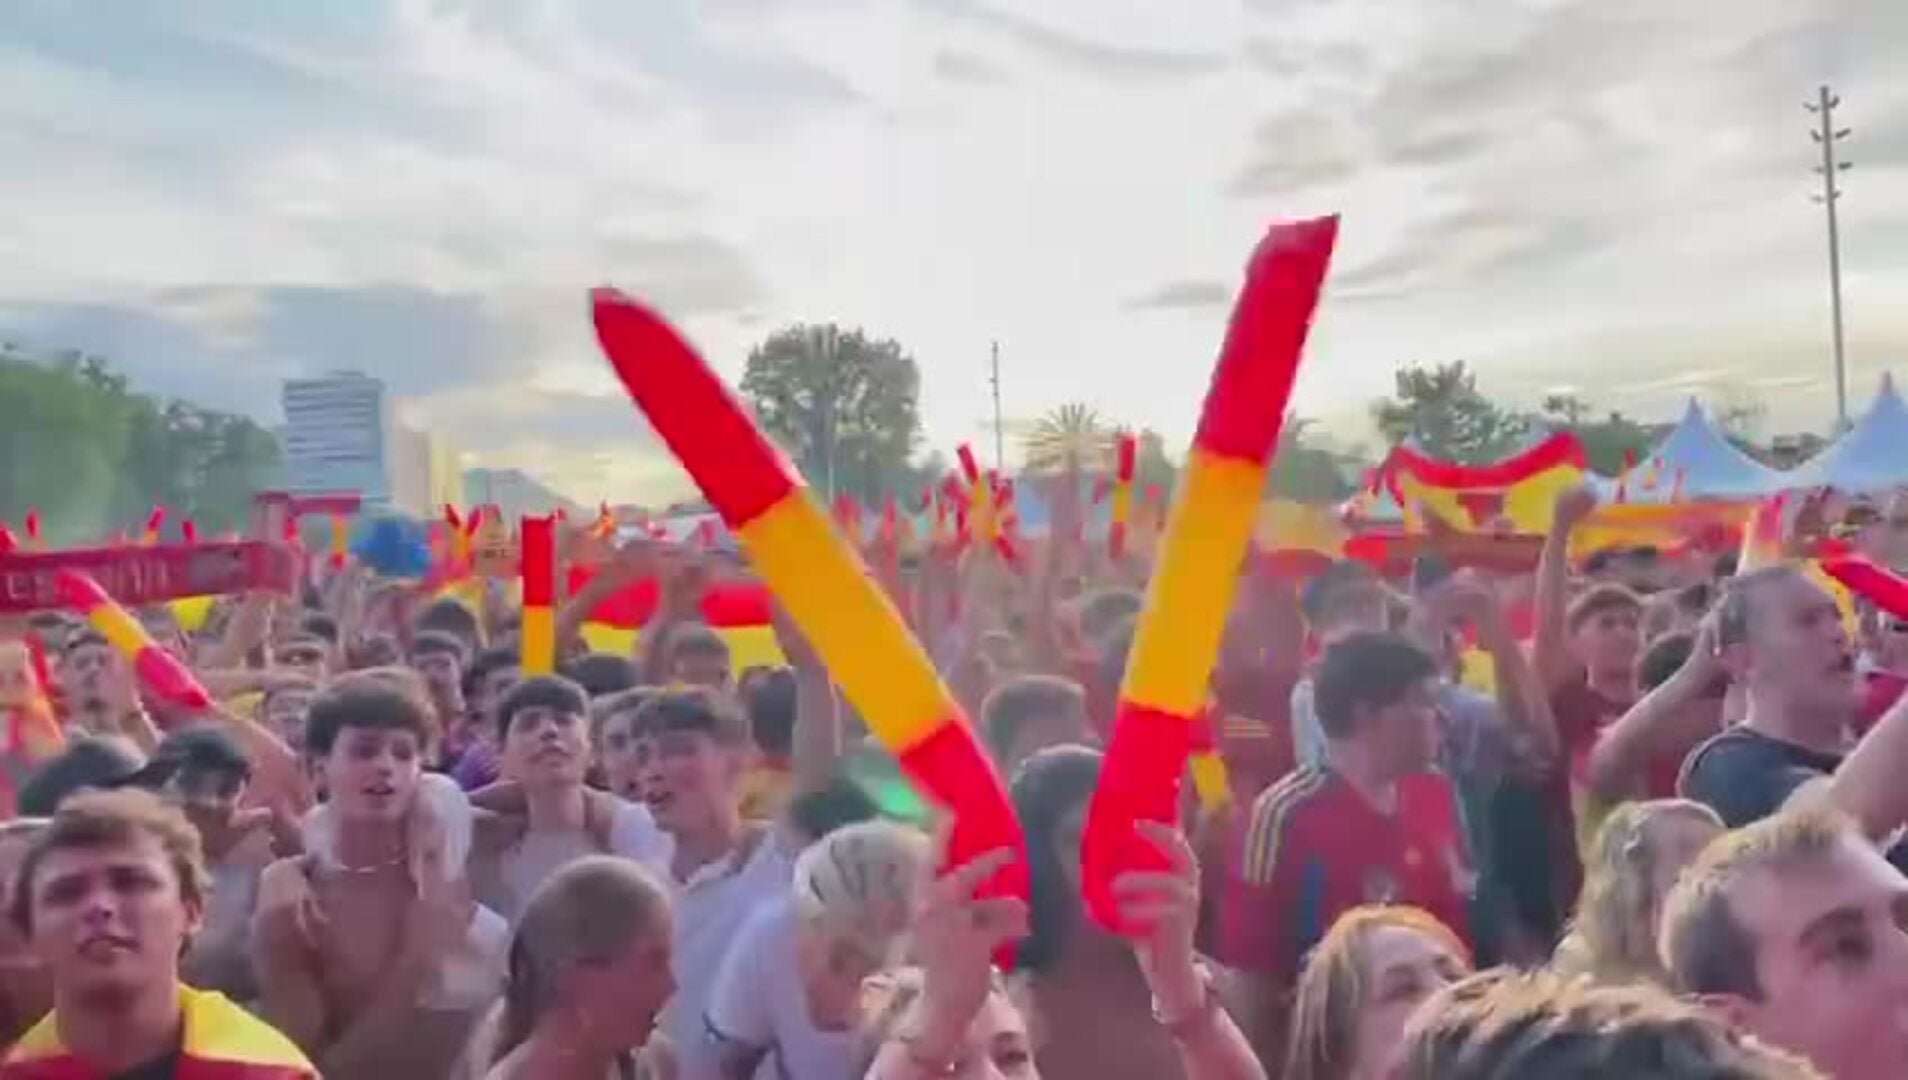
(1710, 465)
(1871, 456)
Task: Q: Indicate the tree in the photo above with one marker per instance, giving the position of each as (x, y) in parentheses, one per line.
(93, 456)
(1307, 470)
(1443, 410)
(1607, 441)
(844, 406)
(1151, 466)
(1070, 437)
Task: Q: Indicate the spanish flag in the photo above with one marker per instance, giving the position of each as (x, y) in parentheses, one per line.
(221, 1042)
(1517, 494)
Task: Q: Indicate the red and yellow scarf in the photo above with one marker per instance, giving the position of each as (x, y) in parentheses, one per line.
(222, 1042)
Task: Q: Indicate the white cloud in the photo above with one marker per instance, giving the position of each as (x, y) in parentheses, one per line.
(1620, 180)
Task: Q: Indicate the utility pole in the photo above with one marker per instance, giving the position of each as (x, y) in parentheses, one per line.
(1826, 135)
(1000, 451)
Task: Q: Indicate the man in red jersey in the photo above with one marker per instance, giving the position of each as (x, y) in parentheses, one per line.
(1371, 824)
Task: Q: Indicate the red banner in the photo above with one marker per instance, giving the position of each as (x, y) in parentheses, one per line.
(144, 575)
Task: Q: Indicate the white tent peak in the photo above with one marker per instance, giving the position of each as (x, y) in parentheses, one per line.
(1868, 456)
(1711, 466)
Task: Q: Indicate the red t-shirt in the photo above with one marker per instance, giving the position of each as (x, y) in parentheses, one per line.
(1313, 848)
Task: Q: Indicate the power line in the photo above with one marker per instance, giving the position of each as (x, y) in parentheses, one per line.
(1826, 135)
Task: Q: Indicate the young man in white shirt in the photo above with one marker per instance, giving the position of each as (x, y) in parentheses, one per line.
(544, 730)
(692, 747)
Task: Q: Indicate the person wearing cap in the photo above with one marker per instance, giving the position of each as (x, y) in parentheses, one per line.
(203, 771)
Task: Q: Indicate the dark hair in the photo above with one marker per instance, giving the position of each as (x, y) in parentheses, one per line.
(1726, 564)
(199, 748)
(322, 627)
(1664, 658)
(438, 643)
(601, 674)
(486, 662)
(770, 702)
(1046, 788)
(1011, 705)
(1598, 599)
(1115, 647)
(87, 762)
(696, 639)
(449, 615)
(376, 699)
(1366, 670)
(1104, 611)
(835, 804)
(696, 709)
(553, 692)
(97, 819)
(81, 638)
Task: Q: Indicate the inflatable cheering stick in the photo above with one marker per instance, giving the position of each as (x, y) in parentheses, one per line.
(818, 577)
(537, 542)
(1210, 527)
(1884, 588)
(161, 672)
(1127, 449)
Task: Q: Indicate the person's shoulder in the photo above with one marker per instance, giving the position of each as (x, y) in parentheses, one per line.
(1279, 817)
(219, 1030)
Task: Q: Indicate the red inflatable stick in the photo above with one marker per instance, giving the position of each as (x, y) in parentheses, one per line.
(1127, 451)
(1201, 552)
(818, 577)
(161, 672)
(539, 567)
(1884, 588)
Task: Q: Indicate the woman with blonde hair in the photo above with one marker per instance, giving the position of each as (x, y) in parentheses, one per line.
(789, 992)
(589, 971)
(1634, 859)
(1360, 984)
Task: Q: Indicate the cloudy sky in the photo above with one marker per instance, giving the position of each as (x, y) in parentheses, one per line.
(1610, 195)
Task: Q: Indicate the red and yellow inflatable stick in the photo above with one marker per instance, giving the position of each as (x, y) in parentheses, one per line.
(1126, 451)
(340, 541)
(155, 522)
(162, 673)
(818, 577)
(1207, 534)
(538, 633)
(33, 528)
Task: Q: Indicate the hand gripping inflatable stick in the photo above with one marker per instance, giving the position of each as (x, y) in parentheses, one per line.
(163, 673)
(1177, 640)
(818, 577)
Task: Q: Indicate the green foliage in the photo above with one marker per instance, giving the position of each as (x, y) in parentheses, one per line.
(1442, 408)
(1306, 470)
(1606, 440)
(93, 456)
(817, 388)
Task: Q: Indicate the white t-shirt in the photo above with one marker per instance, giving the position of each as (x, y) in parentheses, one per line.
(533, 858)
(758, 1001)
(711, 908)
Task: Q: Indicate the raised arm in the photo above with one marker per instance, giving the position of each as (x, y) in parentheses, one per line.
(1550, 652)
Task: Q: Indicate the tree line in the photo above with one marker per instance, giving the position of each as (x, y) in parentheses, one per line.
(94, 456)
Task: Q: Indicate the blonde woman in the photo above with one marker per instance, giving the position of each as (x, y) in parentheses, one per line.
(589, 971)
(1634, 859)
(1360, 984)
(787, 1000)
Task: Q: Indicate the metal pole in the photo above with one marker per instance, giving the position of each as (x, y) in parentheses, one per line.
(1000, 451)
(1827, 135)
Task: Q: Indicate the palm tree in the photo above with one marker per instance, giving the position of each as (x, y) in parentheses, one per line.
(1068, 437)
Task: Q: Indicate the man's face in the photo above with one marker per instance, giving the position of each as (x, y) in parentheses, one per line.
(1832, 960)
(208, 797)
(1609, 640)
(309, 656)
(109, 920)
(372, 773)
(689, 780)
(1888, 641)
(1406, 731)
(622, 771)
(490, 690)
(441, 672)
(702, 667)
(1049, 728)
(1798, 647)
(546, 746)
(90, 674)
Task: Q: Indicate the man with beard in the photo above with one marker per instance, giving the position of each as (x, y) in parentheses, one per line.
(108, 896)
(543, 728)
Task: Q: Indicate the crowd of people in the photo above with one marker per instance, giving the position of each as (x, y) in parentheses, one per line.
(1636, 816)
